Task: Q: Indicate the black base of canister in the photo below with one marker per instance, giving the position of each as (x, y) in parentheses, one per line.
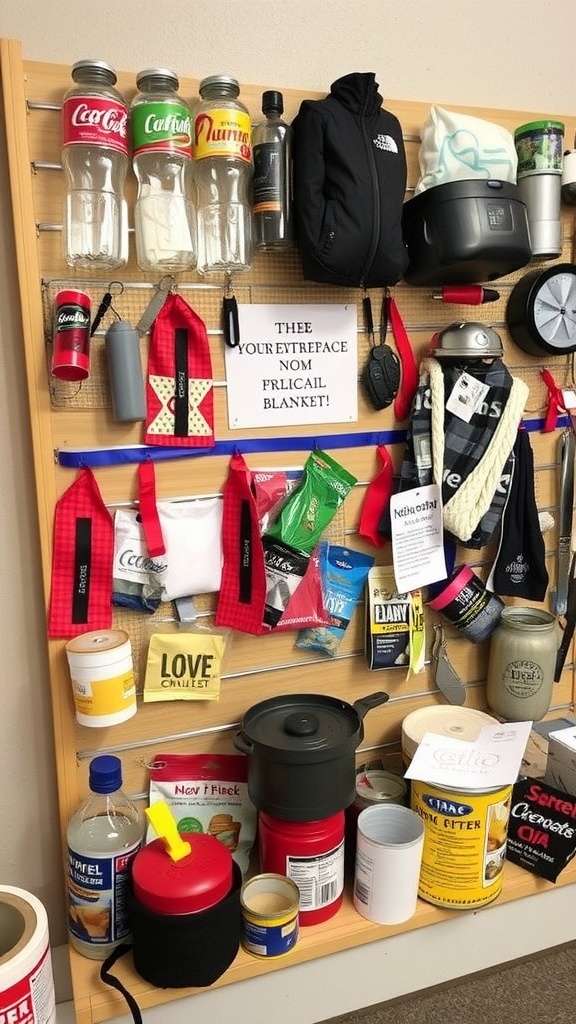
(186, 950)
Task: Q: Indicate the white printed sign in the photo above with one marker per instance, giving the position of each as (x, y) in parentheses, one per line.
(417, 538)
(294, 365)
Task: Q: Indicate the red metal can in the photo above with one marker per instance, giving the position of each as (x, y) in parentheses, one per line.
(71, 336)
(311, 853)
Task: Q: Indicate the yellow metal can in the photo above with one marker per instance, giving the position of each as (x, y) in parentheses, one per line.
(465, 833)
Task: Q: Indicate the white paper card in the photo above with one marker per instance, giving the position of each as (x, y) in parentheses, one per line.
(417, 540)
(466, 396)
(294, 365)
(493, 759)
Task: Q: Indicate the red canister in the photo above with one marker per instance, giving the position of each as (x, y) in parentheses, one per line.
(311, 853)
(71, 336)
(195, 883)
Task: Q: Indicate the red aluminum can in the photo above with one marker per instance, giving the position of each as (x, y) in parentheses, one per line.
(311, 853)
(71, 336)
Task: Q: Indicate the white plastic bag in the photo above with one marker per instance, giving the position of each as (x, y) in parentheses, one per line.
(192, 532)
(456, 147)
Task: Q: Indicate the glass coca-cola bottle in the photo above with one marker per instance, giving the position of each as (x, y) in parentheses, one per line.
(95, 161)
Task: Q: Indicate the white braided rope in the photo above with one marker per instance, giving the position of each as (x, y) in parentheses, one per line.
(464, 510)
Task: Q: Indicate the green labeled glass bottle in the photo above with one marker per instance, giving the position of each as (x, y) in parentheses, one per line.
(165, 218)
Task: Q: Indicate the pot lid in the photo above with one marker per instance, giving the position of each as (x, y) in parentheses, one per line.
(301, 723)
(196, 882)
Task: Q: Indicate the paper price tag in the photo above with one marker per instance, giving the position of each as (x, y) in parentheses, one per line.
(569, 399)
(466, 396)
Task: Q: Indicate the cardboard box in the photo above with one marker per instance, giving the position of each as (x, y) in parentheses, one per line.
(561, 761)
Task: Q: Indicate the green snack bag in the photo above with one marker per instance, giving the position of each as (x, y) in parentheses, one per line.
(313, 505)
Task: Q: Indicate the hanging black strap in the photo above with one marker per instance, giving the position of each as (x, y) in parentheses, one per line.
(110, 979)
(230, 321)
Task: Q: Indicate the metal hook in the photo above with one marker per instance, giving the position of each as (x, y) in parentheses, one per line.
(167, 283)
(439, 640)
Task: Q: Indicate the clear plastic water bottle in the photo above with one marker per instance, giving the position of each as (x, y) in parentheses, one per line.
(272, 185)
(104, 835)
(95, 161)
(165, 218)
(223, 176)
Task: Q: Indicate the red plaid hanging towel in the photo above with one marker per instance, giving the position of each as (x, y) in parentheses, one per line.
(82, 561)
(243, 585)
(179, 389)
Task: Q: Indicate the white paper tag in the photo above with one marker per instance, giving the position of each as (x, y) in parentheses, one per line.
(417, 538)
(569, 399)
(466, 396)
(492, 760)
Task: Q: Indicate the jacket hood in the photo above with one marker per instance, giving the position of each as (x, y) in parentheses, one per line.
(358, 92)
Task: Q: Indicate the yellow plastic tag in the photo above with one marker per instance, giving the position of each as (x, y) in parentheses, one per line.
(183, 666)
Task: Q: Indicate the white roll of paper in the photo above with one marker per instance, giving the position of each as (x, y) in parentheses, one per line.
(26, 980)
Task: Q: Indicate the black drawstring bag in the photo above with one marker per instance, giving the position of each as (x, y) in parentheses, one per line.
(520, 566)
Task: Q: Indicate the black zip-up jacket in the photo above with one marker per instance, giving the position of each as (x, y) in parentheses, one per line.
(349, 186)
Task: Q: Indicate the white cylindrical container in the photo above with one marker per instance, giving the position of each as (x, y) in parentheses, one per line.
(102, 674)
(26, 980)
(443, 720)
(388, 857)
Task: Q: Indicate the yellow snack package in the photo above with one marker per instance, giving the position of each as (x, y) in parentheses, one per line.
(184, 665)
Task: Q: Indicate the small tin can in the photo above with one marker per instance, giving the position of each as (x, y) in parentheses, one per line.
(71, 336)
(269, 905)
(376, 786)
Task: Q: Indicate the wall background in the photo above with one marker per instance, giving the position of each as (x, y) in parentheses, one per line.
(513, 55)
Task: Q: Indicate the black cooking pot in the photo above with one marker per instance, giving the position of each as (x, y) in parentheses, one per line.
(301, 753)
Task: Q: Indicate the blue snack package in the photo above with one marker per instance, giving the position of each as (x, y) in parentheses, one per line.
(344, 574)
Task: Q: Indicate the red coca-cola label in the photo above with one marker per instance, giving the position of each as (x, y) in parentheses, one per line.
(95, 120)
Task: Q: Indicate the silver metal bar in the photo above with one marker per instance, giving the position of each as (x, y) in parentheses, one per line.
(568, 452)
(46, 226)
(45, 165)
(82, 755)
(42, 105)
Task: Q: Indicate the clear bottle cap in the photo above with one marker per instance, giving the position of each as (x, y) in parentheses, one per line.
(231, 85)
(166, 74)
(98, 68)
(105, 774)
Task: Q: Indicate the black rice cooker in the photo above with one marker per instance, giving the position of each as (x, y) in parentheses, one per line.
(463, 232)
(301, 753)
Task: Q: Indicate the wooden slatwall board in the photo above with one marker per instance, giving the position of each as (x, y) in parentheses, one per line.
(65, 416)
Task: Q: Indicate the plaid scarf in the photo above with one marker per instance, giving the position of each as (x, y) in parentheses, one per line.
(471, 461)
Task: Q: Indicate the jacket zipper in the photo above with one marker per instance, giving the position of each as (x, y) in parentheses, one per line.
(376, 217)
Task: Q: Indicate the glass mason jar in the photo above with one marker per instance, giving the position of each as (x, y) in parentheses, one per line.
(522, 663)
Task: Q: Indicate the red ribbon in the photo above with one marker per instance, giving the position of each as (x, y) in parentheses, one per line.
(148, 509)
(376, 499)
(555, 401)
(409, 375)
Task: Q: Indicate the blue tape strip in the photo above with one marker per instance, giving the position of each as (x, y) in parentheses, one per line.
(95, 457)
